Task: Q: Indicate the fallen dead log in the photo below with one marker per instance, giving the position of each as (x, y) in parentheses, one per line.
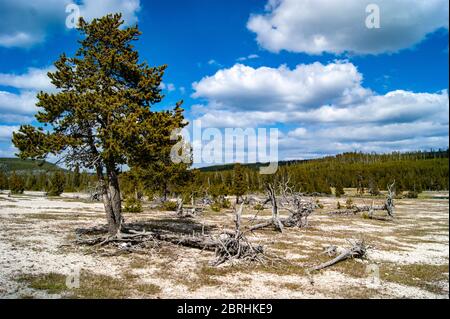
(357, 209)
(357, 250)
(204, 242)
(229, 246)
(197, 241)
(280, 223)
(388, 206)
(367, 211)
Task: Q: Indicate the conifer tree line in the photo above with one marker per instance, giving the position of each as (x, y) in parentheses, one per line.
(369, 174)
(54, 183)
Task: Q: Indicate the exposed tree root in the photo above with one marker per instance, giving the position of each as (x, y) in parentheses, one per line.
(228, 247)
(298, 208)
(235, 246)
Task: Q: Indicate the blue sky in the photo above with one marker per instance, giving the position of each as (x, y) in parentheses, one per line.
(311, 69)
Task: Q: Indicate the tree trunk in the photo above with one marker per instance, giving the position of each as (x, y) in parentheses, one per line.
(116, 201)
(110, 191)
(113, 226)
(275, 220)
(165, 191)
(273, 200)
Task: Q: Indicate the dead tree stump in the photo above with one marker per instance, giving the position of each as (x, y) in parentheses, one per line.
(234, 246)
(275, 220)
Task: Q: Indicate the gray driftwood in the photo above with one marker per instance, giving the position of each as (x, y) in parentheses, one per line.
(234, 246)
(357, 250)
(388, 206)
(184, 212)
(299, 209)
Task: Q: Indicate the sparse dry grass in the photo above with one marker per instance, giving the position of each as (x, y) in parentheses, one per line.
(171, 270)
(416, 275)
(91, 286)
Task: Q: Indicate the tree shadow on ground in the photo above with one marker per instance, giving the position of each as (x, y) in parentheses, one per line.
(183, 226)
(179, 226)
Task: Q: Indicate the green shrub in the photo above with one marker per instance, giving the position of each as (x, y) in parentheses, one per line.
(16, 184)
(258, 206)
(374, 190)
(216, 207)
(226, 203)
(319, 204)
(133, 205)
(169, 206)
(349, 203)
(412, 194)
(339, 190)
(57, 182)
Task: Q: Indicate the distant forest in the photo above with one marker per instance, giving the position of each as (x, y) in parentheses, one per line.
(368, 173)
(415, 171)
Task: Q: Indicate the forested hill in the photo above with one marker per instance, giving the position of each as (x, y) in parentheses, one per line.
(411, 171)
(18, 165)
(345, 158)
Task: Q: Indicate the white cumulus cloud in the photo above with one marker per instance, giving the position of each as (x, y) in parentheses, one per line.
(91, 9)
(17, 104)
(33, 79)
(6, 132)
(325, 107)
(264, 88)
(24, 23)
(337, 26)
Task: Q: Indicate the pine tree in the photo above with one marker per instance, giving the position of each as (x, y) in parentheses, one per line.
(165, 177)
(239, 183)
(131, 185)
(101, 116)
(16, 184)
(31, 182)
(57, 183)
(42, 182)
(373, 188)
(76, 182)
(339, 190)
(3, 181)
